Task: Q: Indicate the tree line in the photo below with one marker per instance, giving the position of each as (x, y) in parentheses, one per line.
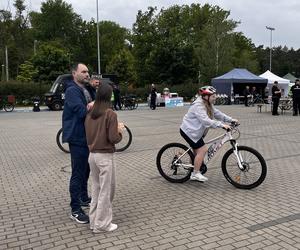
(177, 45)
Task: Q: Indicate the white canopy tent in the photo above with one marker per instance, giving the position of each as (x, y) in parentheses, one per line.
(283, 83)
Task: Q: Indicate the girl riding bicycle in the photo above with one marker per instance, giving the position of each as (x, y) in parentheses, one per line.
(196, 122)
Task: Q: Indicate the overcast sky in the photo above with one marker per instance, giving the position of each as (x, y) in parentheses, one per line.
(254, 15)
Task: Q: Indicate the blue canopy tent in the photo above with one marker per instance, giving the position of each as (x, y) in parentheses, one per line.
(236, 80)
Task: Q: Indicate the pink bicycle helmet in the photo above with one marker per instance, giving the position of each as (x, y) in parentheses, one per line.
(207, 90)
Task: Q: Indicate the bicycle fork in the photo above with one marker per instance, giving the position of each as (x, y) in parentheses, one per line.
(237, 154)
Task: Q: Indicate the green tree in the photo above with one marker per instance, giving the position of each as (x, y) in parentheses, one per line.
(173, 55)
(5, 31)
(112, 41)
(284, 60)
(15, 35)
(244, 53)
(27, 72)
(50, 61)
(122, 64)
(177, 43)
(56, 21)
(216, 47)
(22, 37)
(144, 37)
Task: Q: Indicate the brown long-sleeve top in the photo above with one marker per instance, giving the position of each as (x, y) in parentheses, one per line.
(102, 134)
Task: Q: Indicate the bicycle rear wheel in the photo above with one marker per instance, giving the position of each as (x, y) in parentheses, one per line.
(63, 146)
(126, 140)
(167, 155)
(254, 172)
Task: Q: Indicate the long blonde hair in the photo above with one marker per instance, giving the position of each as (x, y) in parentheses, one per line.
(209, 108)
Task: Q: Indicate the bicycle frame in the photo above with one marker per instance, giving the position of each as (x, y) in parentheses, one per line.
(216, 144)
(255, 99)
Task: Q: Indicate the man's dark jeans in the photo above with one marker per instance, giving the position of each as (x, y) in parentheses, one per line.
(296, 106)
(79, 176)
(275, 101)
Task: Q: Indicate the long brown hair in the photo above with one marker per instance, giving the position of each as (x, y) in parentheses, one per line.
(102, 101)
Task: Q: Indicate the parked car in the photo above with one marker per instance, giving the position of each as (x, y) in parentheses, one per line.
(55, 98)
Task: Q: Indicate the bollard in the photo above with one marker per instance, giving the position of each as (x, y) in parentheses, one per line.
(36, 105)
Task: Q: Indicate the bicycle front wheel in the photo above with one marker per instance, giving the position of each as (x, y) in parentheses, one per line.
(173, 165)
(254, 168)
(8, 107)
(63, 146)
(126, 140)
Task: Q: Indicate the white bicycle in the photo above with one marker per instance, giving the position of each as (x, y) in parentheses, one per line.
(242, 166)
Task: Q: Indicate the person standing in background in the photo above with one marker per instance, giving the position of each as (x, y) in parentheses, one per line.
(117, 100)
(153, 97)
(92, 86)
(246, 95)
(276, 94)
(295, 89)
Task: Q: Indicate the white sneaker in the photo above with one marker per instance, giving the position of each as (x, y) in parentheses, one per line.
(111, 227)
(198, 177)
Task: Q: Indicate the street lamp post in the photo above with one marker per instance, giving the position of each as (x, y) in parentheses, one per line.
(271, 29)
(6, 62)
(98, 42)
(34, 46)
(3, 73)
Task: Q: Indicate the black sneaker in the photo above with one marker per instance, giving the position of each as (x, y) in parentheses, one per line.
(80, 217)
(203, 168)
(86, 203)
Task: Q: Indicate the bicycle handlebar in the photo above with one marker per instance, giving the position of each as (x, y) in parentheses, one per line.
(232, 126)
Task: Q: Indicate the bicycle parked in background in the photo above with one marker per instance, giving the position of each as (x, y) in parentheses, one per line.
(242, 166)
(129, 102)
(7, 103)
(222, 99)
(255, 99)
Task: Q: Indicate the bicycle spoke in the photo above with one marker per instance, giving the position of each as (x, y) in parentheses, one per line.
(167, 162)
(250, 174)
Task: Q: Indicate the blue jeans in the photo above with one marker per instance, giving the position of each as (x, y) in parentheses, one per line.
(79, 177)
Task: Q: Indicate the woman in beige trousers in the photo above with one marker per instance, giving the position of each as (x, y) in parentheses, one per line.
(102, 131)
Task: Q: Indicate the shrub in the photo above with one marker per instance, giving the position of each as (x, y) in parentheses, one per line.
(24, 92)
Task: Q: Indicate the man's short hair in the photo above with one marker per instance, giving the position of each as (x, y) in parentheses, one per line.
(95, 77)
(297, 80)
(74, 66)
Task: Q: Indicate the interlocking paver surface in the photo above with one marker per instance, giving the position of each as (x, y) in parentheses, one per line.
(151, 212)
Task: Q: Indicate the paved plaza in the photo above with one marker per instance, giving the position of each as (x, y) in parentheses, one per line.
(151, 212)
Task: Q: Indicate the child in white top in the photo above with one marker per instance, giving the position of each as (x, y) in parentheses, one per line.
(196, 122)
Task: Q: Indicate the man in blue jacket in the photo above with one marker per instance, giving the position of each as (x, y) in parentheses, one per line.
(77, 102)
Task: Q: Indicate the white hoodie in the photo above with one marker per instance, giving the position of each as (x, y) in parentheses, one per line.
(196, 121)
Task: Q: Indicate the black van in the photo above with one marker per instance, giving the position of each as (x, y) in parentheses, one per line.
(55, 98)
